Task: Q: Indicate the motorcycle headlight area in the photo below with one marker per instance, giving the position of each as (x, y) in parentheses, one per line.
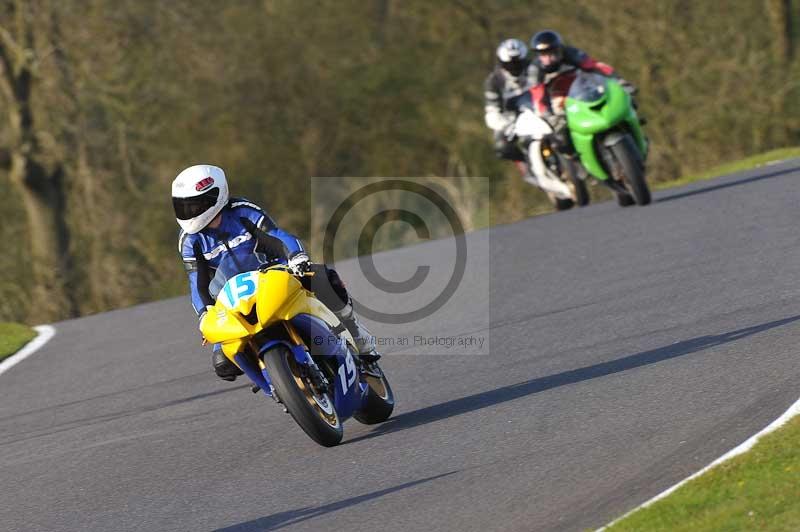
(588, 88)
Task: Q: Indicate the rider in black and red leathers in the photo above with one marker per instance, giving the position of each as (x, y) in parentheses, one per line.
(552, 72)
(548, 77)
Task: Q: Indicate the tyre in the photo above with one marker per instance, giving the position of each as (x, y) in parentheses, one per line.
(580, 192)
(629, 164)
(624, 199)
(379, 403)
(314, 412)
(560, 204)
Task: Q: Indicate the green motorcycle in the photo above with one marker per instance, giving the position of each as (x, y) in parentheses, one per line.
(607, 136)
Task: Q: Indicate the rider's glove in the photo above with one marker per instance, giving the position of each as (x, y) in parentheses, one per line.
(627, 86)
(200, 319)
(299, 263)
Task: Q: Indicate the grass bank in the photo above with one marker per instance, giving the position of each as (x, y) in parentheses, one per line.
(12, 337)
(732, 167)
(758, 490)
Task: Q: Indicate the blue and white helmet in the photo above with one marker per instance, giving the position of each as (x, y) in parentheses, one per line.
(512, 55)
(198, 194)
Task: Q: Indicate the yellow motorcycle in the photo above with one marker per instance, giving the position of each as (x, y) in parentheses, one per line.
(293, 348)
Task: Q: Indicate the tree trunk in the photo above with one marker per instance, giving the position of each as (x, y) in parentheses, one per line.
(47, 239)
(381, 19)
(39, 188)
(780, 15)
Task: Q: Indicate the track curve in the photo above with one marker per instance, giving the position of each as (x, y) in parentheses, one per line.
(623, 358)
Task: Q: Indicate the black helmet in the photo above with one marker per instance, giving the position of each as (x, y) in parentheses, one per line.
(512, 55)
(548, 43)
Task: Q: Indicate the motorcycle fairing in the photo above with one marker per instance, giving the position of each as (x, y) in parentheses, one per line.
(279, 297)
(587, 119)
(348, 389)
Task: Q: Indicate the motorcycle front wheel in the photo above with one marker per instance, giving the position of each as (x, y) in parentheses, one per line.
(624, 199)
(629, 163)
(559, 203)
(310, 408)
(580, 192)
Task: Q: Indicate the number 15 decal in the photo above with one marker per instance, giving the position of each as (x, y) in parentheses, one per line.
(245, 286)
(347, 372)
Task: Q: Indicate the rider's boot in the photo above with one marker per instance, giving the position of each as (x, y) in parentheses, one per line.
(363, 338)
(224, 368)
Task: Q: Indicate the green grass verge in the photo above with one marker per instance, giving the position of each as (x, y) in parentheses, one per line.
(759, 490)
(734, 166)
(12, 337)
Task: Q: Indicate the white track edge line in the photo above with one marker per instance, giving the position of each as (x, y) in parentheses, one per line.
(45, 333)
(736, 451)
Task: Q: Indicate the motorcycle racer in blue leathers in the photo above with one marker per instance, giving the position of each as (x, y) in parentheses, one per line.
(214, 225)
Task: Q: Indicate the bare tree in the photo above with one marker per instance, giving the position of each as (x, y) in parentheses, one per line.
(37, 180)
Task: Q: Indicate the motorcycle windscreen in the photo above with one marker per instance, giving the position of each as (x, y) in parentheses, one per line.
(231, 265)
(588, 87)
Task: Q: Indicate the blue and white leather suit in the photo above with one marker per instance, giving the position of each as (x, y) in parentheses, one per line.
(203, 252)
(230, 237)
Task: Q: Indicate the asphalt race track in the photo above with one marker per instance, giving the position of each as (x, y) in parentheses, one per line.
(624, 356)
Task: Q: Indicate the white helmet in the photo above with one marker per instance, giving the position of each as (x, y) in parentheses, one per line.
(198, 194)
(512, 54)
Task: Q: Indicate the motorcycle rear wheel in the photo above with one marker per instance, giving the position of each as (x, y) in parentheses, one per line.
(314, 412)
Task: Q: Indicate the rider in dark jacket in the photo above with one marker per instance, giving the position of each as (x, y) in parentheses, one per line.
(214, 226)
(553, 70)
